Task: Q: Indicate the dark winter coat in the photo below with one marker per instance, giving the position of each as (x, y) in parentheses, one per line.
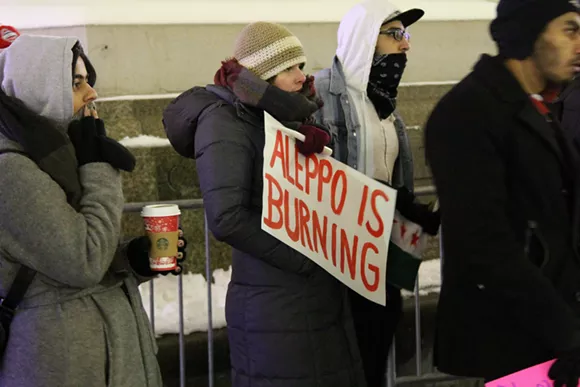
(509, 193)
(568, 110)
(289, 323)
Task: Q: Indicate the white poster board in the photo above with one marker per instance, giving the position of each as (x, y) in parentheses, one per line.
(331, 213)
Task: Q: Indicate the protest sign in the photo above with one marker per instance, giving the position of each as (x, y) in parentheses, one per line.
(536, 376)
(331, 213)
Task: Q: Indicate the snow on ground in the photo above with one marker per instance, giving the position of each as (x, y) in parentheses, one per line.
(195, 298)
(195, 314)
(429, 278)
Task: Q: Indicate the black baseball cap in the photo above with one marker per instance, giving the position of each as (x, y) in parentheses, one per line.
(407, 18)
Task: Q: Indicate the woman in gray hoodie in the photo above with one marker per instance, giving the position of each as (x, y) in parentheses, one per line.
(81, 322)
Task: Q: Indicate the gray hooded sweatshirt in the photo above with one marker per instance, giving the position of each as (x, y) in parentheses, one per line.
(76, 326)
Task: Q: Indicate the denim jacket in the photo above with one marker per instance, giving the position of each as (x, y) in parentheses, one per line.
(341, 119)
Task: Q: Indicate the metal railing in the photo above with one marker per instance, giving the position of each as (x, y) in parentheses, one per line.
(191, 204)
(391, 377)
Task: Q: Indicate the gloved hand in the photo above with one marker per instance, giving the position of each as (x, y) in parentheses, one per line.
(83, 135)
(113, 152)
(228, 74)
(316, 139)
(308, 88)
(138, 255)
(237, 78)
(566, 370)
(116, 154)
(417, 212)
(89, 138)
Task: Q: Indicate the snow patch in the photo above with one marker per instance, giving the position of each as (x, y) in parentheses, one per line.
(144, 141)
(139, 97)
(195, 313)
(429, 278)
(195, 298)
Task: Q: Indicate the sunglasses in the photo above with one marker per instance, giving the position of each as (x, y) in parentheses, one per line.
(397, 34)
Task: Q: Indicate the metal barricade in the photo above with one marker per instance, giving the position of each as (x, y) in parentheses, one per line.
(391, 377)
(419, 377)
(192, 204)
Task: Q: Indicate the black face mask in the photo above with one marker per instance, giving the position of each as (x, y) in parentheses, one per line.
(384, 79)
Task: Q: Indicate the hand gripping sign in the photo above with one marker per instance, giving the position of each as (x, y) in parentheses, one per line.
(331, 213)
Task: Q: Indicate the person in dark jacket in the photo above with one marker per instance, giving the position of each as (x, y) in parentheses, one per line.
(289, 324)
(567, 108)
(509, 188)
(360, 93)
(81, 321)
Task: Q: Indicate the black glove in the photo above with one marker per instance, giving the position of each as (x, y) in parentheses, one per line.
(113, 152)
(89, 138)
(83, 136)
(417, 212)
(138, 255)
(116, 154)
(566, 370)
(181, 253)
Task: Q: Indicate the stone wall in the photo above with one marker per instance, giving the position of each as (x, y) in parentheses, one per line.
(162, 174)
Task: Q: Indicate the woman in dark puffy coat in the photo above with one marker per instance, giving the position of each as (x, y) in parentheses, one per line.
(289, 323)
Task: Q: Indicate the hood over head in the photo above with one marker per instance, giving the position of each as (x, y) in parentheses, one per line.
(358, 33)
(38, 71)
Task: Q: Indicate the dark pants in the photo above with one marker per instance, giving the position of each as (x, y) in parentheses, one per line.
(375, 327)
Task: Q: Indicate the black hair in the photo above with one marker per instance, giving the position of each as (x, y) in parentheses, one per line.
(78, 52)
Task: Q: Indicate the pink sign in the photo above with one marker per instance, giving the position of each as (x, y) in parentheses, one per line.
(536, 376)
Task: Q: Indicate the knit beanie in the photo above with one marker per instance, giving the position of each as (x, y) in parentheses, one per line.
(267, 49)
(519, 23)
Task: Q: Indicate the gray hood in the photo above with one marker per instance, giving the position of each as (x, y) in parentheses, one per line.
(38, 71)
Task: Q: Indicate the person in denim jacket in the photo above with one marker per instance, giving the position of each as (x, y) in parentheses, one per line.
(359, 92)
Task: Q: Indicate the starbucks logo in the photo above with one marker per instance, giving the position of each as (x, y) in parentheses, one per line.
(162, 244)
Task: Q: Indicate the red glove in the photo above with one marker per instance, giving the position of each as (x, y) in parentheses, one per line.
(228, 74)
(309, 90)
(308, 87)
(7, 35)
(316, 139)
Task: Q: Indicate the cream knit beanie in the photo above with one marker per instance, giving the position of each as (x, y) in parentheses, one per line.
(267, 49)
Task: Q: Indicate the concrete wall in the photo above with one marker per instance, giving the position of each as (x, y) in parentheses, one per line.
(54, 13)
(157, 59)
(157, 47)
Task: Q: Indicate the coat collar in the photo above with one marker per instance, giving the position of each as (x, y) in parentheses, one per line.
(337, 78)
(492, 72)
(248, 114)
